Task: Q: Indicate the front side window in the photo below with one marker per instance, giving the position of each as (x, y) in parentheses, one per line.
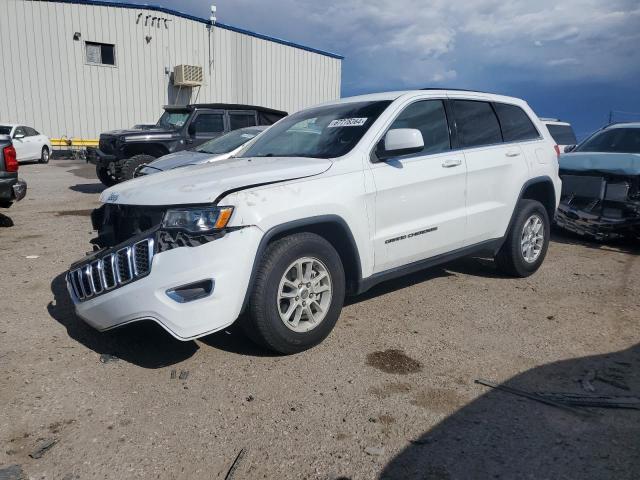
(516, 124)
(172, 120)
(562, 134)
(241, 120)
(323, 132)
(430, 118)
(477, 123)
(19, 131)
(208, 123)
(100, 53)
(615, 140)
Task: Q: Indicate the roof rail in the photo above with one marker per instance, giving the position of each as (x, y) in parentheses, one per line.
(454, 89)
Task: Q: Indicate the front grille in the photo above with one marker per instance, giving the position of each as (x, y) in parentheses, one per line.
(107, 144)
(112, 271)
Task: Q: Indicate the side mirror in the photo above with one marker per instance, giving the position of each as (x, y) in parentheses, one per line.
(401, 141)
(18, 136)
(191, 130)
(569, 148)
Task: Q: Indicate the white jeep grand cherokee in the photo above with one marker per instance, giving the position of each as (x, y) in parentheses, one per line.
(329, 201)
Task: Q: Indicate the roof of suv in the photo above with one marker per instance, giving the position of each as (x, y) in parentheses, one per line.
(224, 106)
(373, 97)
(623, 125)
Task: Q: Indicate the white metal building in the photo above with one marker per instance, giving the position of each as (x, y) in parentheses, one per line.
(75, 68)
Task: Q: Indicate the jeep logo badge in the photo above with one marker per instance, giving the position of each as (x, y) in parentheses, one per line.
(113, 197)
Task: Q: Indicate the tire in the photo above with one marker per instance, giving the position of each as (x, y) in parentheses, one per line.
(264, 322)
(44, 155)
(104, 176)
(511, 259)
(130, 165)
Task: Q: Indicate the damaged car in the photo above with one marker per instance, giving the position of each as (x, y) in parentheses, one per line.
(601, 184)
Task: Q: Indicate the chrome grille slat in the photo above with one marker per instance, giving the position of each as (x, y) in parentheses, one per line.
(112, 271)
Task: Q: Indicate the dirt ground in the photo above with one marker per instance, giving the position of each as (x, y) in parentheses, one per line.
(390, 393)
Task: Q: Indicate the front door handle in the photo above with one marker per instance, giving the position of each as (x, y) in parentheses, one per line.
(513, 153)
(452, 162)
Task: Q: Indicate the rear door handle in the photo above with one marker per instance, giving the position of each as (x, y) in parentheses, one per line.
(453, 162)
(513, 153)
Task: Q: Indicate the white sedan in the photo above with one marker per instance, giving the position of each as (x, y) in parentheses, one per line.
(29, 144)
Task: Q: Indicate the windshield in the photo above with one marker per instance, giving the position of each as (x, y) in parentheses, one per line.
(617, 140)
(5, 130)
(172, 120)
(229, 142)
(322, 132)
(562, 134)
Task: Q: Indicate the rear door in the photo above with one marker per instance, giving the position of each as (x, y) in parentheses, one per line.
(420, 198)
(495, 170)
(206, 125)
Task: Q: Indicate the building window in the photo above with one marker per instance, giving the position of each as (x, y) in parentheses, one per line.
(100, 53)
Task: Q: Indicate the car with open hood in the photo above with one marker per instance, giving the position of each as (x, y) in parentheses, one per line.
(327, 202)
(601, 184)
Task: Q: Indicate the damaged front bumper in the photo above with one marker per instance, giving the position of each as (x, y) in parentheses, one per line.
(600, 206)
(163, 290)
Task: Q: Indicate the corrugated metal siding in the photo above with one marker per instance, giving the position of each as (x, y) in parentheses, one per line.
(46, 82)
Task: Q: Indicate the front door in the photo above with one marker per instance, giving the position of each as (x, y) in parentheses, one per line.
(205, 125)
(21, 144)
(420, 209)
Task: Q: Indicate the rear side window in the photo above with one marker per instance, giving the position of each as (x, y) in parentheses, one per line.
(31, 132)
(241, 120)
(206, 123)
(516, 124)
(562, 134)
(477, 123)
(430, 118)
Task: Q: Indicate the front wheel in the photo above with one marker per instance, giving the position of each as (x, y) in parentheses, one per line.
(105, 176)
(44, 155)
(526, 244)
(297, 295)
(132, 164)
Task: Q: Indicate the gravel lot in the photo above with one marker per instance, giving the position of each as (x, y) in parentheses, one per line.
(389, 394)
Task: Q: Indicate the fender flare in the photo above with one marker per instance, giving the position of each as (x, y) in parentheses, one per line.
(295, 225)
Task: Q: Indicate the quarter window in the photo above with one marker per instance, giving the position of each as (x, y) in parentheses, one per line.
(477, 123)
(430, 118)
(207, 123)
(100, 53)
(516, 124)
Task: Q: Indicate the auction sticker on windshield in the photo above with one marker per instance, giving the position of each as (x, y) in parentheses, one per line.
(347, 122)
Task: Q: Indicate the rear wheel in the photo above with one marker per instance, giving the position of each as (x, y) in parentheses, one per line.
(44, 155)
(131, 164)
(526, 244)
(297, 295)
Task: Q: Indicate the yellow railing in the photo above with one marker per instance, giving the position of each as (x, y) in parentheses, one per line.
(74, 142)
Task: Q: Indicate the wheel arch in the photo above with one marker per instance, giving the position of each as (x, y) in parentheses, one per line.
(332, 228)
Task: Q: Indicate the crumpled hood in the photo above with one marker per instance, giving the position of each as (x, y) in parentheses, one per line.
(603, 162)
(205, 183)
(179, 159)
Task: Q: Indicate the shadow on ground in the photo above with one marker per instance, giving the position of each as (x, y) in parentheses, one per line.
(144, 344)
(500, 435)
(624, 245)
(5, 221)
(88, 188)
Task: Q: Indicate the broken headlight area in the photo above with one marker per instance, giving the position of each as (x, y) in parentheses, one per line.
(601, 206)
(118, 225)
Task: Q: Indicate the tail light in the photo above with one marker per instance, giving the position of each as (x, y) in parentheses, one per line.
(10, 159)
(557, 149)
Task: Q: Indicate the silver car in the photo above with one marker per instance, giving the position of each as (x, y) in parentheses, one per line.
(219, 148)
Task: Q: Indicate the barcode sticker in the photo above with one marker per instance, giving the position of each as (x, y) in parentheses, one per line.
(347, 122)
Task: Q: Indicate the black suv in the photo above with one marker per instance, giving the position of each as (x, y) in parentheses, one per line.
(121, 152)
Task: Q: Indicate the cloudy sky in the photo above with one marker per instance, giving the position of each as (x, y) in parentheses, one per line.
(573, 59)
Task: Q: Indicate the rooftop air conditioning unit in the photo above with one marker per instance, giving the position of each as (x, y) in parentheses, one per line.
(187, 76)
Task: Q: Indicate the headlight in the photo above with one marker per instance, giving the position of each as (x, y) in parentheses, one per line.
(197, 219)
